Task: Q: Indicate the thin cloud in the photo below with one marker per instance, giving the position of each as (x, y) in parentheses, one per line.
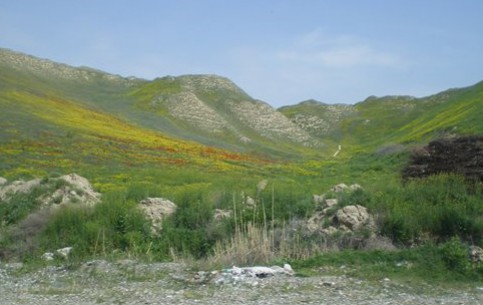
(320, 49)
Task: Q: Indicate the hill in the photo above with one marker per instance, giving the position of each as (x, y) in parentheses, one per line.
(206, 108)
(376, 123)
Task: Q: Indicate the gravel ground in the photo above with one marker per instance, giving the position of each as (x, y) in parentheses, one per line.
(130, 282)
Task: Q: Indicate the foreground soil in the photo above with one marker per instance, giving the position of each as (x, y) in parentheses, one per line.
(131, 282)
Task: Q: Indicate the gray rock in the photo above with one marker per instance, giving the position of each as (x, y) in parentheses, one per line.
(475, 254)
(3, 181)
(354, 217)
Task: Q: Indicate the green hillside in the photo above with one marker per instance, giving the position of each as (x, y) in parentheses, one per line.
(394, 120)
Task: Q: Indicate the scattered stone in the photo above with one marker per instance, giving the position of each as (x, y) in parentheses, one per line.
(3, 181)
(156, 209)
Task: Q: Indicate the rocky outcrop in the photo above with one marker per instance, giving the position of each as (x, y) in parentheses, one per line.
(156, 210)
(7, 190)
(76, 189)
(330, 218)
(67, 189)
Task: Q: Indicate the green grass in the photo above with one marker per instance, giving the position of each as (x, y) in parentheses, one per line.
(444, 263)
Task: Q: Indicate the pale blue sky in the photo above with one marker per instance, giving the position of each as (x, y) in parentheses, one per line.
(281, 52)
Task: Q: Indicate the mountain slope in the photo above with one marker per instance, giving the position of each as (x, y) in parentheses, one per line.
(213, 111)
(377, 122)
(205, 108)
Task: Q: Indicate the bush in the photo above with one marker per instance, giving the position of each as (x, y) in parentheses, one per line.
(455, 255)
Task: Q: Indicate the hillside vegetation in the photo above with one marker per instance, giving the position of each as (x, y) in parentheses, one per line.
(204, 144)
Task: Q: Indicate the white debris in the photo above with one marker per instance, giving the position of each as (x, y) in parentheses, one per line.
(248, 275)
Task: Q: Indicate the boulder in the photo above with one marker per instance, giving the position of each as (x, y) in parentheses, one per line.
(476, 254)
(64, 252)
(156, 209)
(353, 217)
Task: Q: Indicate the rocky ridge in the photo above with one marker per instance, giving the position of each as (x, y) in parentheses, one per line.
(43, 67)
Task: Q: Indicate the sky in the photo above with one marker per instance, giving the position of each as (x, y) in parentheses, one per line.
(281, 52)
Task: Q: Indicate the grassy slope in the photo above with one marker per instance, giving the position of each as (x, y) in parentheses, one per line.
(378, 122)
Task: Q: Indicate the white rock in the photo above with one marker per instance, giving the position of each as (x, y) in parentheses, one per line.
(64, 252)
(288, 269)
(48, 256)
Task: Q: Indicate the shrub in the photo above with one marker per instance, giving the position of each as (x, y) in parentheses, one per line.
(455, 255)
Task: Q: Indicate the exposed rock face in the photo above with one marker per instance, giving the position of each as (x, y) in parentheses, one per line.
(44, 67)
(188, 107)
(269, 123)
(157, 209)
